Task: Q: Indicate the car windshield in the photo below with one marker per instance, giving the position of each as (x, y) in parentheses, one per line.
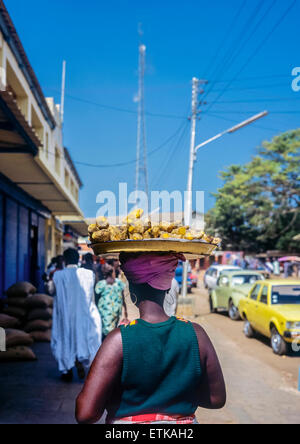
(244, 279)
(286, 294)
(228, 270)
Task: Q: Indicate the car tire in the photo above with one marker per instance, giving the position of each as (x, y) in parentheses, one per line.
(248, 330)
(233, 312)
(278, 344)
(211, 305)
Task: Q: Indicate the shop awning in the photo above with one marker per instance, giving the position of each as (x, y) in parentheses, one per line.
(78, 224)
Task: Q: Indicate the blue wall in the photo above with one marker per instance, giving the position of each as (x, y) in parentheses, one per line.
(10, 243)
(18, 213)
(1, 242)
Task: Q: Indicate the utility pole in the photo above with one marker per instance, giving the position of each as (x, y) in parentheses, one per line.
(141, 148)
(189, 203)
(63, 86)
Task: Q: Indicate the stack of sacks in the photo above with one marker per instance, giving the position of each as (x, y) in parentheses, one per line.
(12, 318)
(17, 347)
(8, 321)
(39, 317)
(16, 302)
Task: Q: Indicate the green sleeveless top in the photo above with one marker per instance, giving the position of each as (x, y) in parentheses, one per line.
(161, 368)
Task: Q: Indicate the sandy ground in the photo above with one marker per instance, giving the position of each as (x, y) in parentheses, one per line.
(261, 387)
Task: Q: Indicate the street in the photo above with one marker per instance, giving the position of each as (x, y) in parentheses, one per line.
(261, 387)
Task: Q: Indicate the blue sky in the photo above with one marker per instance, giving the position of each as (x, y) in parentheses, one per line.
(234, 42)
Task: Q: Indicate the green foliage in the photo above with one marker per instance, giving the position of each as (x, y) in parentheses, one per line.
(258, 207)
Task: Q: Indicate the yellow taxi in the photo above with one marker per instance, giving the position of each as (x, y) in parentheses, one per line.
(272, 308)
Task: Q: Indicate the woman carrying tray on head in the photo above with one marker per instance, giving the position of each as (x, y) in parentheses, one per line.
(110, 295)
(157, 369)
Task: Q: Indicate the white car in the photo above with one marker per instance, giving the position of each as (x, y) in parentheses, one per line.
(213, 273)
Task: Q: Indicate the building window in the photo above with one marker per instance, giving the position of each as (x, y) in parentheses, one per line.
(72, 187)
(16, 90)
(47, 145)
(37, 125)
(67, 179)
(57, 161)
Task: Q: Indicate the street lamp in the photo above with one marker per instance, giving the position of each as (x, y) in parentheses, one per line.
(193, 157)
(233, 129)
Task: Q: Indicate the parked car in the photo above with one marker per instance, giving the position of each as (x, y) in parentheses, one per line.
(273, 309)
(194, 279)
(213, 273)
(179, 278)
(231, 287)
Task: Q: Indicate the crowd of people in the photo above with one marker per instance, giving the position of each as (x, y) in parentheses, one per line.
(88, 305)
(270, 266)
(81, 284)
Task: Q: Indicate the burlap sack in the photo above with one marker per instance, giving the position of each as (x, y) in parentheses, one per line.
(8, 321)
(37, 325)
(44, 314)
(15, 338)
(39, 301)
(20, 290)
(16, 312)
(17, 354)
(15, 302)
(41, 336)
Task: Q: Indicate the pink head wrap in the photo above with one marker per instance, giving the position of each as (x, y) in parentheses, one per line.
(156, 270)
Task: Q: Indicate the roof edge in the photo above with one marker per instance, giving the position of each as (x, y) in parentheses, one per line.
(11, 37)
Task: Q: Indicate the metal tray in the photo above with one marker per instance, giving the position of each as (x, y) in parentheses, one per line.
(195, 248)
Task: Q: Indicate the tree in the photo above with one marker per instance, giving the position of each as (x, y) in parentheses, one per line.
(258, 207)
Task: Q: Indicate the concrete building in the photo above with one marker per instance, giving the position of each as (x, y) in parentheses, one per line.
(39, 184)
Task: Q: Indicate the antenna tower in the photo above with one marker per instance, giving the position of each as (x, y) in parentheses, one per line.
(141, 148)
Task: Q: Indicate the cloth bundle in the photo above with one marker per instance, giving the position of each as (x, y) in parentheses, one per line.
(156, 270)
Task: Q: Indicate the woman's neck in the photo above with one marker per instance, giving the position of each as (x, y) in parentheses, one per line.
(152, 312)
(110, 280)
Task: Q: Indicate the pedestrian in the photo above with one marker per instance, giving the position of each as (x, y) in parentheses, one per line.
(111, 300)
(286, 267)
(76, 334)
(269, 266)
(157, 369)
(276, 267)
(99, 273)
(88, 263)
(116, 264)
(58, 265)
(171, 299)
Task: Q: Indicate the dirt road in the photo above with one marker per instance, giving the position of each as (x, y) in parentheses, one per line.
(262, 387)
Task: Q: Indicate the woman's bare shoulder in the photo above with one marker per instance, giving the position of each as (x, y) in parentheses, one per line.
(203, 338)
(111, 350)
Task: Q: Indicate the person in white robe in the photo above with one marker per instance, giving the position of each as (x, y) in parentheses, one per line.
(171, 299)
(77, 332)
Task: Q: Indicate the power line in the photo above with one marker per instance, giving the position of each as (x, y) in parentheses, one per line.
(256, 51)
(248, 88)
(272, 99)
(231, 55)
(227, 34)
(120, 109)
(130, 162)
(253, 112)
(235, 121)
(170, 156)
(247, 79)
